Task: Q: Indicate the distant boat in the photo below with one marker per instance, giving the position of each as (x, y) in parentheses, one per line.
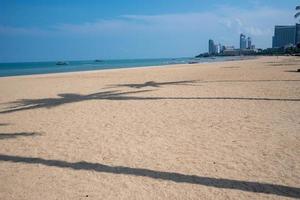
(62, 63)
(97, 60)
(172, 62)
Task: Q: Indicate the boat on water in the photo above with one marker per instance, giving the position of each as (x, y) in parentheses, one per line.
(62, 63)
(97, 60)
(193, 62)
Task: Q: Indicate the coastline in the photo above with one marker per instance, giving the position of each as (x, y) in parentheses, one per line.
(138, 67)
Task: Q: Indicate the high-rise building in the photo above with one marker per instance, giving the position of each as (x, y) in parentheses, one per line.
(223, 48)
(249, 41)
(285, 35)
(211, 47)
(243, 42)
(217, 48)
(297, 37)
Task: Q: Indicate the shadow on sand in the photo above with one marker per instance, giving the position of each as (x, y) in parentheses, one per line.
(153, 84)
(248, 81)
(192, 83)
(296, 70)
(29, 104)
(232, 67)
(247, 186)
(283, 64)
(15, 135)
(4, 124)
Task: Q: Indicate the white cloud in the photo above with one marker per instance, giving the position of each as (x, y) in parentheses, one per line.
(259, 22)
(132, 23)
(8, 30)
(223, 22)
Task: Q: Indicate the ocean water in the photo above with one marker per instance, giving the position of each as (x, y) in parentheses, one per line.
(28, 68)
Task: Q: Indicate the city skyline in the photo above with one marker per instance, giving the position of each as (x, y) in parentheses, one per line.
(130, 29)
(246, 47)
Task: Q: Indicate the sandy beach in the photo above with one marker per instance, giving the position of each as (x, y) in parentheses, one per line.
(226, 130)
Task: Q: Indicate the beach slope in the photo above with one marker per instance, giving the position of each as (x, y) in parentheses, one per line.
(225, 130)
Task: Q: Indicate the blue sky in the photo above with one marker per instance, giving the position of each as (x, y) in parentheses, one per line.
(40, 30)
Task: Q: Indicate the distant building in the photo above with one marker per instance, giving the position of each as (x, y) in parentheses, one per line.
(238, 52)
(211, 47)
(246, 48)
(285, 35)
(214, 49)
(229, 47)
(231, 52)
(223, 48)
(249, 43)
(243, 42)
(297, 37)
(247, 52)
(218, 48)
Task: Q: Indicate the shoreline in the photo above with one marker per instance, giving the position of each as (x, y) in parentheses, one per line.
(130, 68)
(127, 68)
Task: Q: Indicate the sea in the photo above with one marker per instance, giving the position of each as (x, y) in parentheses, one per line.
(29, 68)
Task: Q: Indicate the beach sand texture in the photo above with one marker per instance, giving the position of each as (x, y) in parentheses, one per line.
(227, 130)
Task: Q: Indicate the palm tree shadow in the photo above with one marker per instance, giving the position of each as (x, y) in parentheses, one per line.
(4, 136)
(248, 186)
(283, 64)
(190, 83)
(154, 84)
(4, 124)
(297, 71)
(29, 104)
(249, 81)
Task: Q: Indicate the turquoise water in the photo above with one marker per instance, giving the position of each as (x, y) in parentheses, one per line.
(28, 68)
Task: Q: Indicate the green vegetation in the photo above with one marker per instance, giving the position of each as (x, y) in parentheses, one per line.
(298, 13)
(295, 51)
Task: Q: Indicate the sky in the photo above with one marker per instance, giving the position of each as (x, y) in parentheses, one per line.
(40, 30)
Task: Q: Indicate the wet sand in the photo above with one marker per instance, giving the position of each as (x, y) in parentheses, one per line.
(227, 130)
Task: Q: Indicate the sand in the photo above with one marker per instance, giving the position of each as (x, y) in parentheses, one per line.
(227, 130)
